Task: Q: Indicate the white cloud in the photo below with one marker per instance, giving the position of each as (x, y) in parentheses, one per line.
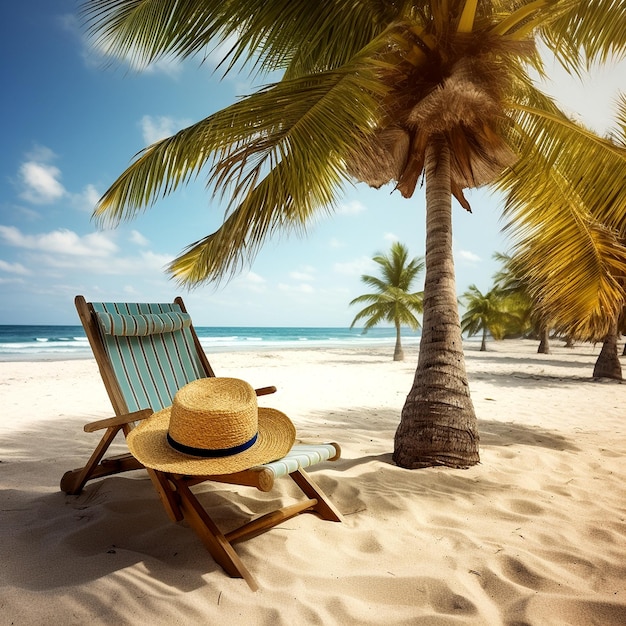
(157, 127)
(155, 261)
(146, 264)
(252, 282)
(40, 182)
(137, 238)
(13, 268)
(356, 267)
(169, 66)
(351, 208)
(466, 255)
(87, 199)
(390, 237)
(304, 274)
(62, 241)
(62, 252)
(336, 243)
(11, 281)
(301, 288)
(41, 154)
(254, 278)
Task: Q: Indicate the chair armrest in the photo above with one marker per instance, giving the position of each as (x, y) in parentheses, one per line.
(119, 420)
(264, 391)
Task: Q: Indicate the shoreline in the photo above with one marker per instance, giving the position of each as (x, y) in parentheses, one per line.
(58, 342)
(210, 349)
(533, 534)
(410, 345)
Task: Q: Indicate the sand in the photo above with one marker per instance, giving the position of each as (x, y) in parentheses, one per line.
(534, 534)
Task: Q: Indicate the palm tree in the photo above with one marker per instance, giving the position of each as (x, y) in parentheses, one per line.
(512, 281)
(586, 241)
(488, 313)
(607, 365)
(379, 92)
(601, 234)
(392, 301)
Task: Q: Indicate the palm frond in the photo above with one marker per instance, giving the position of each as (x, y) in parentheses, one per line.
(300, 35)
(300, 121)
(586, 31)
(570, 262)
(380, 284)
(373, 315)
(147, 30)
(366, 297)
(547, 139)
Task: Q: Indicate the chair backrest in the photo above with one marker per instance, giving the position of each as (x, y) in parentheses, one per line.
(145, 352)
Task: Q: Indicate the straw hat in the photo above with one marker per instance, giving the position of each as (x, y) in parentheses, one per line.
(214, 426)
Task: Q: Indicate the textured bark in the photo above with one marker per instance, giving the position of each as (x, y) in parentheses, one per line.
(544, 340)
(438, 424)
(398, 353)
(608, 365)
(483, 343)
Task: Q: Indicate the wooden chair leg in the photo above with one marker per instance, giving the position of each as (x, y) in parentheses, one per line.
(181, 503)
(269, 520)
(324, 507)
(168, 497)
(73, 481)
(212, 537)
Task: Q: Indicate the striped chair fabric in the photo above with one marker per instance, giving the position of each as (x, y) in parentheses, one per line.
(153, 354)
(302, 456)
(155, 357)
(142, 324)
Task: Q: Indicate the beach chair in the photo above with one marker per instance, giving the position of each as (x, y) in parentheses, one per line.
(145, 353)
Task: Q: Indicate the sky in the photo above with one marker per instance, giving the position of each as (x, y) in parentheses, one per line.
(72, 122)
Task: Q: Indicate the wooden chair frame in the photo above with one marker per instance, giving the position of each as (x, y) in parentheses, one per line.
(175, 490)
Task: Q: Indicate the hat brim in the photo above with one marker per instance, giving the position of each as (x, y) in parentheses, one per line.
(148, 444)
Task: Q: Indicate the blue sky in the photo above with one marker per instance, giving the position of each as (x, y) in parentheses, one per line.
(71, 123)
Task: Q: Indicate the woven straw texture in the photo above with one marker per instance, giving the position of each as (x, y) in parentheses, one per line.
(212, 413)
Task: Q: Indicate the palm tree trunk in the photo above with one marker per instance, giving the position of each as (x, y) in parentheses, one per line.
(608, 365)
(398, 353)
(438, 424)
(483, 344)
(544, 339)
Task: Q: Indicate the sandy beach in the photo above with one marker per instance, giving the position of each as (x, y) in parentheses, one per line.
(535, 534)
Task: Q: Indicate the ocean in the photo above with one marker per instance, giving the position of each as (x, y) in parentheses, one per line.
(21, 342)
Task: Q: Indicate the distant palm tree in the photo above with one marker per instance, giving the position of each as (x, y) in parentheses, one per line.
(513, 282)
(488, 313)
(392, 301)
(607, 365)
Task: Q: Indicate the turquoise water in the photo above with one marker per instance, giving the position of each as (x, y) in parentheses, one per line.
(41, 342)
